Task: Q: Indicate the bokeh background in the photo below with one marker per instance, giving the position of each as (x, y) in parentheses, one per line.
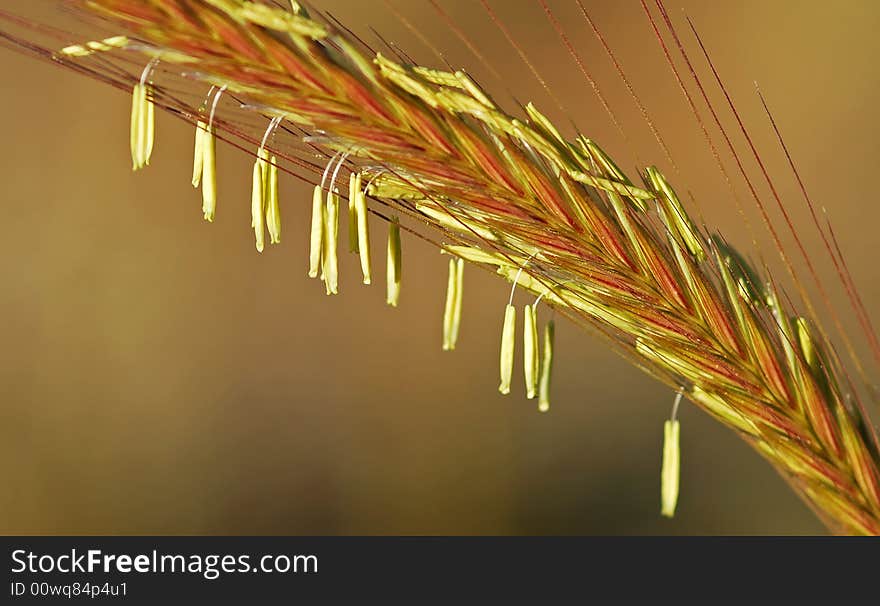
(157, 375)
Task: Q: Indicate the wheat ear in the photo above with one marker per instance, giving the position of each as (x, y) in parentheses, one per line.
(558, 217)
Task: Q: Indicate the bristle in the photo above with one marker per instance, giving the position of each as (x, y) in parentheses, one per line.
(837, 260)
(465, 39)
(522, 54)
(629, 87)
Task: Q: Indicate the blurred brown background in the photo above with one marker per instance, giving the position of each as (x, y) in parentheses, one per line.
(157, 375)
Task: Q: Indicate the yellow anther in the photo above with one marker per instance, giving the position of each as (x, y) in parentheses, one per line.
(353, 187)
(94, 46)
(209, 174)
(143, 126)
(394, 264)
(452, 309)
(199, 154)
(530, 350)
(671, 468)
(363, 234)
(508, 338)
(316, 241)
(258, 198)
(273, 209)
(546, 367)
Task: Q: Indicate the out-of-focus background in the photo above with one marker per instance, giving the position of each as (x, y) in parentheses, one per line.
(157, 375)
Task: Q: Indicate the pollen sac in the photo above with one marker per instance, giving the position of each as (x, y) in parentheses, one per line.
(199, 154)
(353, 189)
(258, 199)
(149, 119)
(316, 240)
(508, 343)
(455, 325)
(363, 228)
(546, 367)
(95, 46)
(137, 109)
(209, 175)
(452, 309)
(394, 264)
(273, 209)
(671, 468)
(530, 350)
(805, 340)
(143, 127)
(331, 233)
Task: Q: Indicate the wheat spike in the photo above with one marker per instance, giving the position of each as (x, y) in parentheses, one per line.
(552, 215)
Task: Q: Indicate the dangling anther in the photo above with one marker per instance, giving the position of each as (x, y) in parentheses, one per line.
(546, 356)
(671, 468)
(143, 125)
(264, 193)
(452, 309)
(394, 264)
(209, 163)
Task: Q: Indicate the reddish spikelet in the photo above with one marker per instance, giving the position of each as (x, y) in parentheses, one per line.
(426, 127)
(294, 66)
(485, 159)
